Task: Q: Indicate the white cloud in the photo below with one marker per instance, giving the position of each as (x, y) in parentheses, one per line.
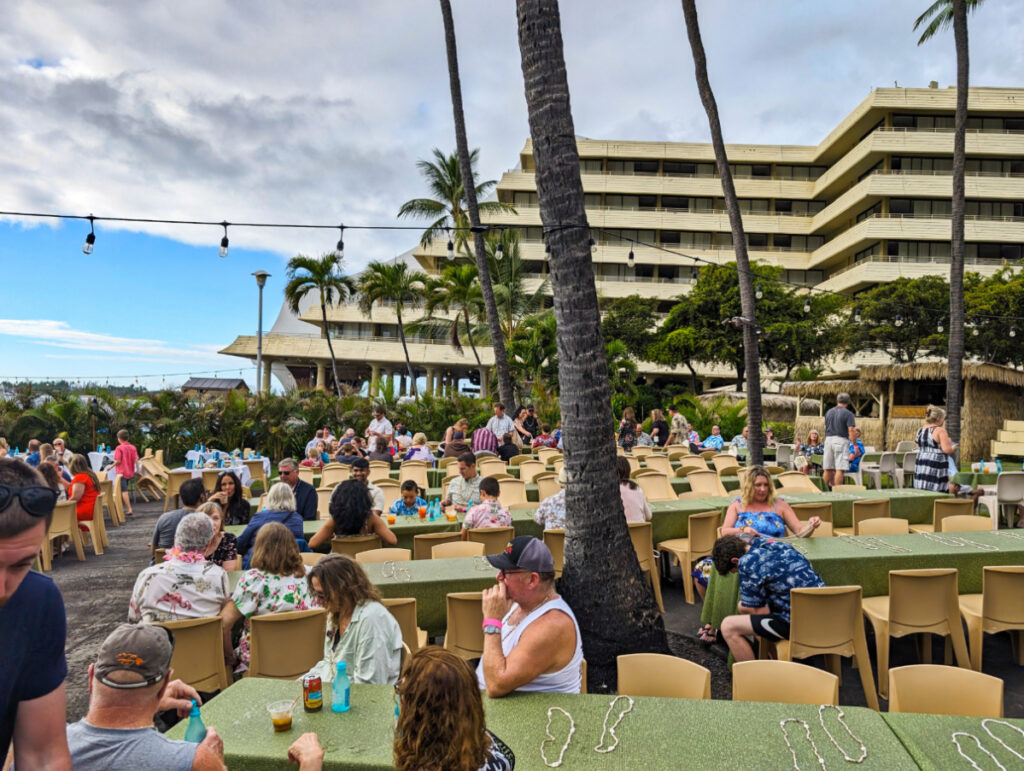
(60, 334)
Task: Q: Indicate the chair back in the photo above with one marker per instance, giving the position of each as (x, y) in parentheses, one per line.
(547, 455)
(511, 491)
(634, 463)
(883, 526)
(392, 492)
(804, 511)
(694, 462)
(515, 460)
(494, 539)
(557, 464)
(323, 502)
(677, 451)
(491, 466)
(909, 463)
(725, 463)
(783, 681)
(823, 620)
(198, 657)
(306, 474)
(949, 507)
(256, 470)
(210, 478)
(379, 471)
(457, 549)
(923, 601)
(175, 479)
(351, 545)
(656, 486)
(530, 469)
(641, 452)
(961, 523)
(333, 473)
(660, 463)
(1002, 597)
(547, 485)
(554, 539)
(870, 510)
(709, 454)
(444, 463)
(384, 555)
(465, 634)
(422, 545)
(284, 646)
(797, 482)
(1010, 487)
(703, 532)
(404, 611)
(706, 482)
(416, 472)
(642, 536)
(63, 523)
(942, 690)
(784, 455)
(311, 557)
(655, 674)
(905, 445)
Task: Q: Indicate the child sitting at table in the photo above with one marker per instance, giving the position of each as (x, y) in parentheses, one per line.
(489, 512)
(408, 505)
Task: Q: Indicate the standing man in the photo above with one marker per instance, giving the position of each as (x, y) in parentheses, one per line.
(678, 426)
(32, 627)
(500, 424)
(126, 457)
(305, 493)
(840, 428)
(464, 490)
(361, 472)
(379, 426)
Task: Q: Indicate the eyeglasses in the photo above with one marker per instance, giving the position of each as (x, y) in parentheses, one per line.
(503, 573)
(285, 471)
(36, 500)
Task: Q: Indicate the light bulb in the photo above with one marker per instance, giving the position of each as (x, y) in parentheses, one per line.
(807, 305)
(499, 252)
(974, 330)
(759, 293)
(940, 328)
(223, 247)
(89, 241)
(630, 258)
(899, 320)
(856, 315)
(450, 254)
(1013, 332)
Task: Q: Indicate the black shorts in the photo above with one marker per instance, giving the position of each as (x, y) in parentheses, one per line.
(771, 626)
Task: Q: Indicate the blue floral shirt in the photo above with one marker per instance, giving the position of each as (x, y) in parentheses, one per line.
(767, 523)
(714, 441)
(855, 463)
(769, 570)
(399, 509)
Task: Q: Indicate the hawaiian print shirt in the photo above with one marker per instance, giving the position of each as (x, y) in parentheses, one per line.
(176, 589)
(551, 513)
(487, 514)
(714, 441)
(464, 493)
(258, 593)
(399, 509)
(679, 426)
(545, 441)
(769, 570)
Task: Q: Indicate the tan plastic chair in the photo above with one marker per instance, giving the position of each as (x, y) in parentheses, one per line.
(210, 478)
(530, 469)
(710, 454)
(707, 483)
(490, 466)
(942, 508)
(827, 621)
(655, 674)
(796, 482)
(865, 510)
(97, 530)
(558, 464)
(63, 523)
(107, 500)
(999, 608)
(323, 502)
(547, 485)
(404, 611)
(547, 455)
(962, 523)
(677, 452)
(655, 485)
(392, 492)
(785, 682)
(306, 474)
(494, 539)
(175, 479)
(725, 464)
(703, 529)
(284, 646)
(642, 534)
(554, 539)
(640, 453)
(883, 526)
(457, 549)
(118, 488)
(311, 557)
(198, 657)
(515, 460)
(512, 492)
(422, 545)
(804, 511)
(443, 463)
(379, 471)
(659, 463)
(351, 545)
(634, 463)
(939, 690)
(257, 472)
(465, 633)
(775, 470)
(333, 473)
(417, 473)
(384, 555)
(919, 601)
(158, 556)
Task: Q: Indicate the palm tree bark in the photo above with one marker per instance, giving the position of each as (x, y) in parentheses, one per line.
(327, 334)
(405, 348)
(601, 579)
(462, 145)
(954, 378)
(751, 356)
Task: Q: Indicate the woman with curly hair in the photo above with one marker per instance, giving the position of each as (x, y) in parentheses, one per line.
(351, 515)
(441, 718)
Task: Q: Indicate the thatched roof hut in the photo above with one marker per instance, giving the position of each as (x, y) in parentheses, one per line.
(774, 407)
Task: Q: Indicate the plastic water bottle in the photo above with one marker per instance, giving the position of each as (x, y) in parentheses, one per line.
(396, 716)
(340, 690)
(196, 731)
(999, 466)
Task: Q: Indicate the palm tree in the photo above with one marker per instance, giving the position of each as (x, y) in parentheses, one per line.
(940, 15)
(751, 356)
(323, 276)
(393, 282)
(601, 579)
(473, 210)
(514, 302)
(455, 290)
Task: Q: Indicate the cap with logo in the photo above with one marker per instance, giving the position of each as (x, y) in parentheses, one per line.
(524, 552)
(141, 650)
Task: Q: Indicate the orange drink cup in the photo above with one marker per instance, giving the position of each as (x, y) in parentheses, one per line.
(281, 715)
(391, 519)
(423, 512)
(452, 516)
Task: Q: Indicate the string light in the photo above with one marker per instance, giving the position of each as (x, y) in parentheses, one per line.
(1013, 332)
(974, 330)
(940, 328)
(450, 253)
(759, 293)
(91, 238)
(630, 258)
(223, 252)
(340, 248)
(807, 305)
(499, 252)
(898, 321)
(856, 315)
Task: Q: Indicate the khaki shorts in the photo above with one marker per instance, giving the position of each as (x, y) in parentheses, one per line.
(837, 454)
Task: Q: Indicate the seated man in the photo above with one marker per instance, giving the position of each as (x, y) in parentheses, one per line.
(193, 495)
(768, 570)
(128, 684)
(550, 515)
(856, 451)
(464, 490)
(740, 443)
(714, 440)
(531, 638)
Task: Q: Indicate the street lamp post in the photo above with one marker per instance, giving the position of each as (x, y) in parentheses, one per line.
(261, 280)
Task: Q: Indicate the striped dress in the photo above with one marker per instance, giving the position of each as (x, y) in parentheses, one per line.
(931, 472)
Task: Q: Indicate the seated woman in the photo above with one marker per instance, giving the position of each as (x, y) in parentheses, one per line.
(379, 450)
(228, 493)
(276, 583)
(489, 512)
(223, 549)
(508, 449)
(634, 502)
(420, 450)
(351, 515)
(279, 506)
(441, 717)
(755, 513)
(769, 438)
(813, 446)
(53, 479)
(360, 630)
(84, 488)
(456, 439)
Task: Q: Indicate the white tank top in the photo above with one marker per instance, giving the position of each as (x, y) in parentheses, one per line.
(565, 680)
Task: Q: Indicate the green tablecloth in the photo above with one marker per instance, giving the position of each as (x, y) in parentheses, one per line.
(929, 740)
(975, 479)
(657, 733)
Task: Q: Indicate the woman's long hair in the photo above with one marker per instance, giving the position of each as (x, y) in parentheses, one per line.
(77, 464)
(624, 470)
(277, 552)
(345, 585)
(349, 507)
(236, 496)
(441, 715)
(747, 485)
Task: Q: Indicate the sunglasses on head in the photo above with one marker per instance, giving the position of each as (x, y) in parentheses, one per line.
(36, 500)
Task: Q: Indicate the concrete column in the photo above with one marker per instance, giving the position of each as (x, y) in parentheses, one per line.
(484, 385)
(374, 378)
(429, 387)
(402, 380)
(265, 388)
(321, 376)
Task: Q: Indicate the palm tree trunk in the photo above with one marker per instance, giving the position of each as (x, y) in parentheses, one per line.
(601, 579)
(954, 378)
(469, 336)
(751, 356)
(405, 348)
(330, 347)
(483, 270)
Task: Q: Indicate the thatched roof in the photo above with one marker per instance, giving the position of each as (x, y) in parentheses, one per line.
(937, 370)
(768, 401)
(829, 388)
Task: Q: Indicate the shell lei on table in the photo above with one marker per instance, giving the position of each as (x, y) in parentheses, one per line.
(605, 730)
(984, 724)
(814, 747)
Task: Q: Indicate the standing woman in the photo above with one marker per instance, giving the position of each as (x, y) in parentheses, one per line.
(84, 488)
(627, 429)
(931, 471)
(522, 436)
(228, 494)
(659, 428)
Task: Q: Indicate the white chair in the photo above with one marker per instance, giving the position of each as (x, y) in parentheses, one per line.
(886, 465)
(905, 471)
(1009, 492)
(907, 445)
(784, 456)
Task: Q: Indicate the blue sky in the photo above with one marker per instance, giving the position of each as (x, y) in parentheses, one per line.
(317, 113)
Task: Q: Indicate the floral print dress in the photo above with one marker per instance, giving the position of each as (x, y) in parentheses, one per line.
(258, 593)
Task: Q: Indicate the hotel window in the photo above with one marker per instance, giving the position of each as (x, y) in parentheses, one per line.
(753, 205)
(533, 267)
(757, 240)
(524, 199)
(592, 200)
(669, 272)
(631, 202)
(805, 243)
(865, 253)
(800, 173)
(691, 240)
(995, 209)
(641, 270)
(647, 202)
(871, 211)
(993, 252)
(591, 165)
(688, 169)
(669, 237)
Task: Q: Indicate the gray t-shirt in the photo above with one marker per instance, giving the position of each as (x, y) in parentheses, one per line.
(130, 749)
(838, 421)
(163, 533)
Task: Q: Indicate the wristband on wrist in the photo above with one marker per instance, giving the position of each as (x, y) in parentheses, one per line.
(492, 622)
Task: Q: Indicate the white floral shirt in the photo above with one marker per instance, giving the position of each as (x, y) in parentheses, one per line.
(259, 593)
(487, 514)
(551, 512)
(176, 589)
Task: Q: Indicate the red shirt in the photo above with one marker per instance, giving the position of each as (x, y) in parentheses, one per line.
(87, 502)
(125, 456)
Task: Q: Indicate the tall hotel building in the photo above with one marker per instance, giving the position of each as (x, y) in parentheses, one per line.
(869, 204)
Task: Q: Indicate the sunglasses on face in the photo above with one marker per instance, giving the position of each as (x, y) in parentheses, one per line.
(36, 500)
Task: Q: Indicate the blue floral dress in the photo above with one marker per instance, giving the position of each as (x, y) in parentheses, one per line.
(767, 523)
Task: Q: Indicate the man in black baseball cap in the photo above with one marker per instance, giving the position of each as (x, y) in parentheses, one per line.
(531, 638)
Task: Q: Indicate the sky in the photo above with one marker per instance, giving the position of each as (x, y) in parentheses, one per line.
(316, 112)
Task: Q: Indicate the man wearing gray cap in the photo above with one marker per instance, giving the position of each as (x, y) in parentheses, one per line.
(839, 432)
(531, 638)
(129, 683)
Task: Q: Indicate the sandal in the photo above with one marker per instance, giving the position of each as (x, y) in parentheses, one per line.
(707, 634)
